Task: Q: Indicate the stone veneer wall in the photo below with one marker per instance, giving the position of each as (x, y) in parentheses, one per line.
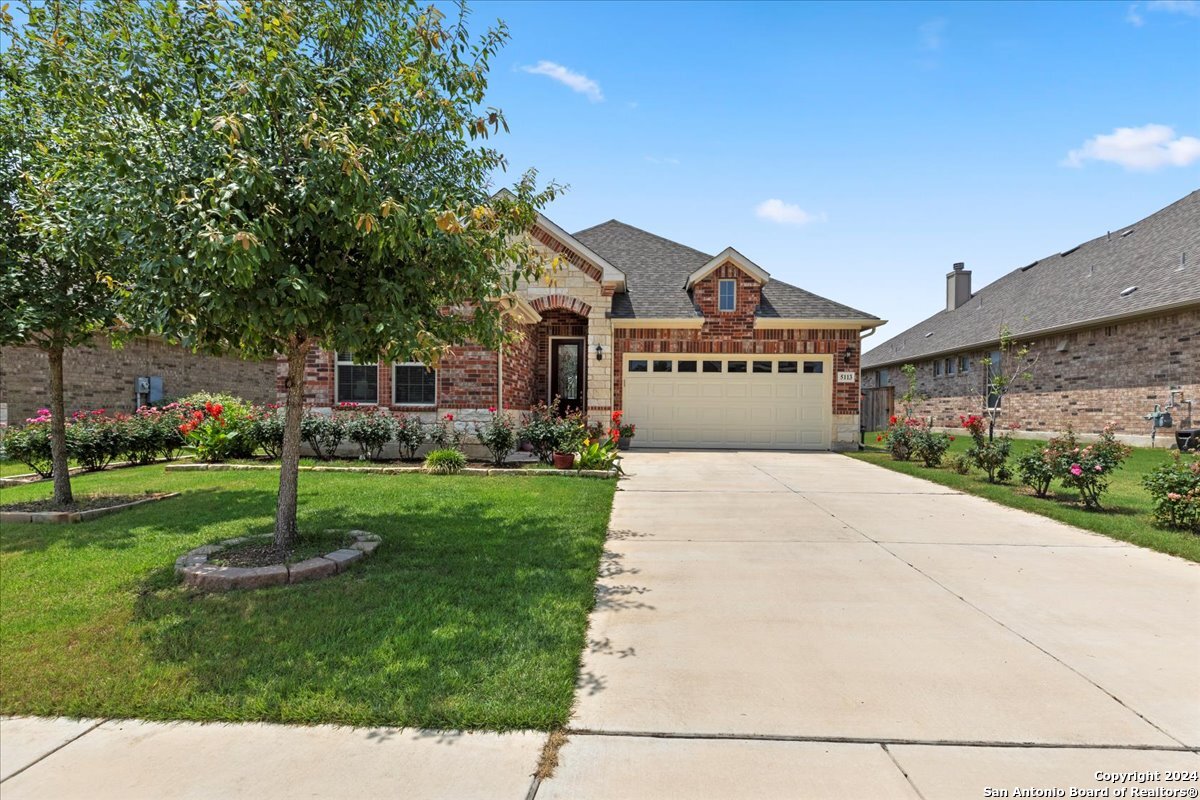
(577, 280)
(100, 376)
(1102, 374)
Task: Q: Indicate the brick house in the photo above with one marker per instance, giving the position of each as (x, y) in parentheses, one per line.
(1114, 324)
(698, 350)
(145, 370)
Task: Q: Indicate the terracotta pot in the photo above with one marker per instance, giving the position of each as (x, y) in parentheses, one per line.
(564, 460)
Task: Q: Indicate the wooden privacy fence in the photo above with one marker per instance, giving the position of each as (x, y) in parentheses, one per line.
(878, 405)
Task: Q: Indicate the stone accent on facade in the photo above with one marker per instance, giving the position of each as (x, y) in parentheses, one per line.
(101, 376)
(1086, 379)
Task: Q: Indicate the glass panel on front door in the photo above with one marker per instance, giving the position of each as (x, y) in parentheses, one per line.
(568, 372)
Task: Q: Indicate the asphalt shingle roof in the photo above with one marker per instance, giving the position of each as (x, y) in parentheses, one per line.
(1075, 287)
(656, 271)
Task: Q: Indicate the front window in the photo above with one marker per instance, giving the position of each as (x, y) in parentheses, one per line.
(727, 295)
(414, 384)
(964, 364)
(356, 382)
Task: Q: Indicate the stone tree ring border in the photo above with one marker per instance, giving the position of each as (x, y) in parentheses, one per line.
(193, 565)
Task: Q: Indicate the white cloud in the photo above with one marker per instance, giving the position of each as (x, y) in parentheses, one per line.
(575, 81)
(931, 33)
(1133, 15)
(670, 160)
(1189, 7)
(1149, 147)
(785, 213)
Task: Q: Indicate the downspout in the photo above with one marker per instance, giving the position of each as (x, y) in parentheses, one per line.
(500, 378)
(862, 431)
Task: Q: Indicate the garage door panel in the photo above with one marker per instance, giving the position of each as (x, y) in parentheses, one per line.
(762, 410)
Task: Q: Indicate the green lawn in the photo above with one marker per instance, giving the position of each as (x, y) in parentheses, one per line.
(472, 614)
(1127, 504)
(9, 467)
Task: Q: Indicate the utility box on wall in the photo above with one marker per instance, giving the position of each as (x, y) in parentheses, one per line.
(148, 391)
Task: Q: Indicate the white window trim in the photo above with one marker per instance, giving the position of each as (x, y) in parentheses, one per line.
(338, 362)
(414, 364)
(721, 282)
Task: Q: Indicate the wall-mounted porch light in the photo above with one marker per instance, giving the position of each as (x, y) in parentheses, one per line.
(599, 352)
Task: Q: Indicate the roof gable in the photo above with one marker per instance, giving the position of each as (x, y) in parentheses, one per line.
(728, 256)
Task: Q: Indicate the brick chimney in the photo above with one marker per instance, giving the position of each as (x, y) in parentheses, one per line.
(958, 287)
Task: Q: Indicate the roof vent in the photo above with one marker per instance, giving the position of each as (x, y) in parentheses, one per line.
(1072, 250)
(929, 334)
(1029, 267)
(1127, 233)
(1182, 261)
(1129, 291)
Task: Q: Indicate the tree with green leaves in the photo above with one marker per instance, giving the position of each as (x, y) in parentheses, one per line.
(58, 253)
(308, 174)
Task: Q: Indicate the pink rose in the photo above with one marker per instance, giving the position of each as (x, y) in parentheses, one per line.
(1099, 468)
(1076, 470)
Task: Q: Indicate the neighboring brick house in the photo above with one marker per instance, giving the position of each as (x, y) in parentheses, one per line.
(699, 351)
(101, 376)
(1114, 325)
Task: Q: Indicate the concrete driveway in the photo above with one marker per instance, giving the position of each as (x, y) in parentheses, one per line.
(806, 625)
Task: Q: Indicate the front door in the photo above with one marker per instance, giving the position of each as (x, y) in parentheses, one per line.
(567, 374)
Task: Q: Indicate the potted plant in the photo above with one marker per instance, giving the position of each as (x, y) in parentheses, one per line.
(623, 431)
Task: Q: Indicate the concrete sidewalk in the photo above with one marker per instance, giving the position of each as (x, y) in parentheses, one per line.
(124, 760)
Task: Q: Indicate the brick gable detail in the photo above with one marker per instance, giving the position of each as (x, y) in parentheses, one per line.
(738, 323)
(550, 241)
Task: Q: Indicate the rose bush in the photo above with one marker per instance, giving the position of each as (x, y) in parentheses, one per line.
(410, 435)
(369, 427)
(30, 444)
(498, 435)
(1088, 469)
(990, 455)
(323, 433)
(1175, 489)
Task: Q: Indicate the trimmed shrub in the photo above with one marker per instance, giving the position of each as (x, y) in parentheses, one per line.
(1175, 489)
(368, 427)
(410, 435)
(991, 456)
(31, 444)
(900, 436)
(266, 427)
(1036, 470)
(323, 433)
(95, 440)
(445, 462)
(499, 436)
(930, 446)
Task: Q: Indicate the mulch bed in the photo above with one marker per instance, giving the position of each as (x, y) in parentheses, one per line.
(82, 503)
(264, 553)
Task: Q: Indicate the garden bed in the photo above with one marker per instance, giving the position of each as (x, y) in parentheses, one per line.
(400, 470)
(85, 508)
(254, 562)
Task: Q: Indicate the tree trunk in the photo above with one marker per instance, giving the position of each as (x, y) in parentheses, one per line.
(289, 457)
(58, 431)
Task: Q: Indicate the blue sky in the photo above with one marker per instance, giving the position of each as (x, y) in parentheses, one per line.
(856, 149)
(895, 138)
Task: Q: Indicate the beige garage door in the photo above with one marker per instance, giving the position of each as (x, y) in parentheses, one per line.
(774, 402)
